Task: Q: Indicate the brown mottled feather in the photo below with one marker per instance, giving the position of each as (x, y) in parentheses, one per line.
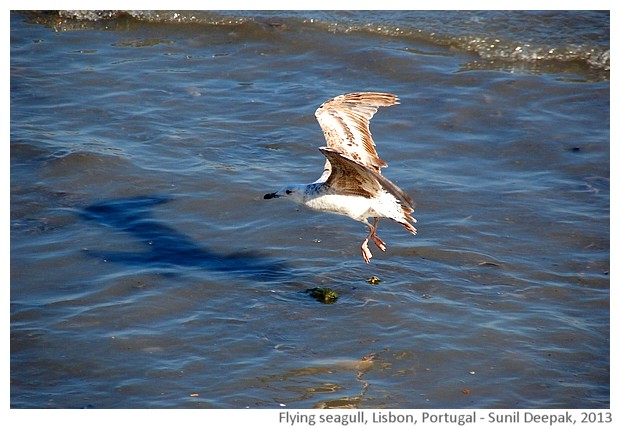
(348, 177)
(345, 121)
(351, 178)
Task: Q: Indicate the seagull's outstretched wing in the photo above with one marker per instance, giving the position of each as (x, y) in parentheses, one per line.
(345, 121)
(350, 178)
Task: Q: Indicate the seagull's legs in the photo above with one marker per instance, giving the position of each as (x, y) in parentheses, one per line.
(366, 254)
(366, 251)
(373, 234)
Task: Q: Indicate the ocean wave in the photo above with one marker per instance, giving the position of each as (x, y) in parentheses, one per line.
(525, 37)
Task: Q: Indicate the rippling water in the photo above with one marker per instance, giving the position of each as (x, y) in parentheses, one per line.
(147, 270)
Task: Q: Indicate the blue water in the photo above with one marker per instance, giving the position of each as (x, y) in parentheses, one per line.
(147, 271)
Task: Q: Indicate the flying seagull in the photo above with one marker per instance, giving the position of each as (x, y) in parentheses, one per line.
(351, 183)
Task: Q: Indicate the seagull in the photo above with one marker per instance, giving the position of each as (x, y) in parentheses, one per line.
(351, 183)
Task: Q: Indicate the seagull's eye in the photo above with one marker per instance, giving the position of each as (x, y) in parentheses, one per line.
(288, 192)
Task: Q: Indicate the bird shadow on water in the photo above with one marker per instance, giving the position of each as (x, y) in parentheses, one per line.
(168, 249)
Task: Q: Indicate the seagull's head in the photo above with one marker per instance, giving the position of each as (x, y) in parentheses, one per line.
(292, 192)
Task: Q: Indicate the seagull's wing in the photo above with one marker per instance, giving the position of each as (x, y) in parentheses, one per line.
(350, 178)
(345, 121)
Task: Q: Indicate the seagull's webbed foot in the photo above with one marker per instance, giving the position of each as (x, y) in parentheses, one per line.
(366, 251)
(380, 243)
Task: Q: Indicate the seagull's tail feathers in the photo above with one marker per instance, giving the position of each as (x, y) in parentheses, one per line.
(407, 225)
(405, 201)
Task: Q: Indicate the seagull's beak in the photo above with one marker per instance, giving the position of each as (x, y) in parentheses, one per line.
(272, 195)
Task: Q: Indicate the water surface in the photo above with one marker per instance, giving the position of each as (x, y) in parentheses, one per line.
(148, 271)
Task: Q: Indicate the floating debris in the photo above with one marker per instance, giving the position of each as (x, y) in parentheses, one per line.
(323, 295)
(374, 280)
(488, 264)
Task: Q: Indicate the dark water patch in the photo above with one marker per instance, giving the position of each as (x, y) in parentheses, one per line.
(165, 247)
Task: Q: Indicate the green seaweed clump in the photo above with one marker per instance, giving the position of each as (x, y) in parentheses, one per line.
(323, 295)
